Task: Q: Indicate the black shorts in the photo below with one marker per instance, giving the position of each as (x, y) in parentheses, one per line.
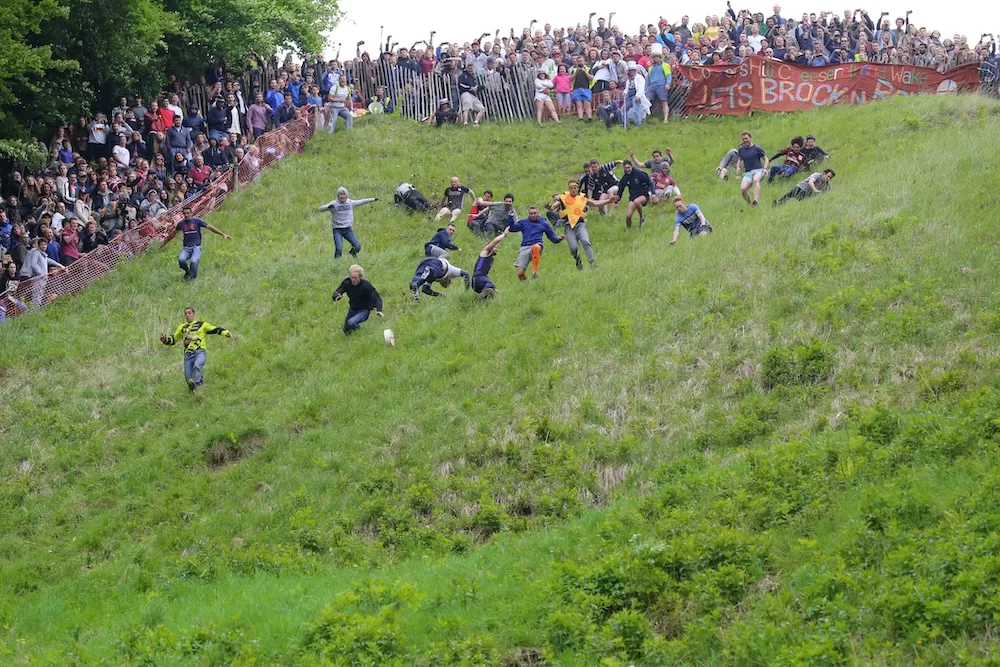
(600, 87)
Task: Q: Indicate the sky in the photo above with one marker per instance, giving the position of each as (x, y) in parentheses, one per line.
(410, 21)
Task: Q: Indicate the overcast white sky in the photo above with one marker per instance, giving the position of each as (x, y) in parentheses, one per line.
(413, 20)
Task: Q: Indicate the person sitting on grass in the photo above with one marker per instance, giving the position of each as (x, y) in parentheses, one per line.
(444, 113)
(794, 159)
(453, 199)
(441, 243)
(729, 161)
(690, 217)
(813, 153)
(815, 184)
(664, 186)
(362, 299)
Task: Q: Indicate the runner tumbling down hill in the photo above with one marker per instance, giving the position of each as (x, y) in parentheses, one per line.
(436, 269)
(362, 299)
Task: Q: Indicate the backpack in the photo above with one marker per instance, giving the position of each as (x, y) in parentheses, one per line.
(411, 199)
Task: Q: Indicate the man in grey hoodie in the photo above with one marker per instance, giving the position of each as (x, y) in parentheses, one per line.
(342, 210)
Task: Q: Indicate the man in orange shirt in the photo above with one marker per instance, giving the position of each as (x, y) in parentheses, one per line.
(572, 209)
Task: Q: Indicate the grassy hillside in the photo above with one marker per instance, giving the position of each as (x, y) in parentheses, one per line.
(775, 445)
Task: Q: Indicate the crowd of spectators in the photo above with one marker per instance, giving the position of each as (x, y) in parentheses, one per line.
(408, 77)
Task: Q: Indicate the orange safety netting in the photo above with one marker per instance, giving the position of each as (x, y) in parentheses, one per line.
(268, 149)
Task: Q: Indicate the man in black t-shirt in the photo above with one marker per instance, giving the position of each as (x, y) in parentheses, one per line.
(454, 200)
(362, 298)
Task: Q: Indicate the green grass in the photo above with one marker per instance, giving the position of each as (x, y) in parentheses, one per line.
(775, 445)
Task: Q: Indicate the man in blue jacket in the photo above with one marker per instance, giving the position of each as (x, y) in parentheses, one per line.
(440, 243)
(533, 229)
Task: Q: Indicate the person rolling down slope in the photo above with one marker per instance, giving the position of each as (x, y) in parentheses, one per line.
(436, 269)
(192, 332)
(190, 254)
(342, 210)
(362, 299)
(533, 229)
(690, 217)
(481, 283)
(440, 243)
(815, 184)
(572, 207)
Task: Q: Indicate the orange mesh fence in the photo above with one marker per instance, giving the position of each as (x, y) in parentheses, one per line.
(268, 149)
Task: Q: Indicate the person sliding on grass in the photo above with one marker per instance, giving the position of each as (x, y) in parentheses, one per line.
(816, 183)
(729, 161)
(362, 298)
(342, 210)
(440, 243)
(754, 160)
(190, 254)
(599, 184)
(794, 159)
(690, 217)
(481, 283)
(192, 332)
(454, 199)
(436, 269)
(533, 229)
(572, 207)
(640, 189)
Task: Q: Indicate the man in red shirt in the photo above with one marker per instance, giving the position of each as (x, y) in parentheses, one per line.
(200, 172)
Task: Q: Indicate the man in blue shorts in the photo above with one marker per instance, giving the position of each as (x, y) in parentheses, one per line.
(690, 217)
(753, 161)
(582, 96)
(658, 83)
(481, 283)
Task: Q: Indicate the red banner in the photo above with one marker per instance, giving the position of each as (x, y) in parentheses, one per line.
(762, 84)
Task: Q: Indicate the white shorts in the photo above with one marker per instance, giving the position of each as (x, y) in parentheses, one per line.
(471, 103)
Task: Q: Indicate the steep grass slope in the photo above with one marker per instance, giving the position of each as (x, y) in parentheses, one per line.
(773, 445)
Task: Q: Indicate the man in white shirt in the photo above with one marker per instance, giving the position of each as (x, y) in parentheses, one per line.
(120, 153)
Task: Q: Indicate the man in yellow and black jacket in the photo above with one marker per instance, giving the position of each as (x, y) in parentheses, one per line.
(571, 208)
(192, 334)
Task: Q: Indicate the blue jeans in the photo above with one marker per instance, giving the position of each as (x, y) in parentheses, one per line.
(194, 364)
(340, 112)
(354, 319)
(338, 241)
(633, 110)
(217, 134)
(782, 170)
(192, 254)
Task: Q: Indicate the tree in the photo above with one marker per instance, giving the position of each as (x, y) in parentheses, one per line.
(23, 63)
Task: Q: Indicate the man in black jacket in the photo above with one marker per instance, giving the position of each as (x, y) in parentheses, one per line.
(362, 299)
(468, 91)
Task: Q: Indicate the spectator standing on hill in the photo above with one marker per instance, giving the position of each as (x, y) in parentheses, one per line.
(340, 97)
(658, 83)
(815, 184)
(441, 242)
(468, 89)
(753, 161)
(191, 333)
(285, 113)
(342, 212)
(640, 189)
(453, 200)
(362, 299)
(190, 255)
(259, 116)
(690, 217)
(533, 230)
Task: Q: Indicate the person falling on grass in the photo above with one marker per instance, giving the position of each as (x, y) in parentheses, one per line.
(436, 270)
(190, 255)
(342, 211)
(362, 299)
(572, 208)
(815, 184)
(690, 217)
(192, 333)
(441, 242)
(533, 229)
(481, 283)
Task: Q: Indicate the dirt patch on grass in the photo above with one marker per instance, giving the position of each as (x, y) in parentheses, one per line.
(222, 453)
